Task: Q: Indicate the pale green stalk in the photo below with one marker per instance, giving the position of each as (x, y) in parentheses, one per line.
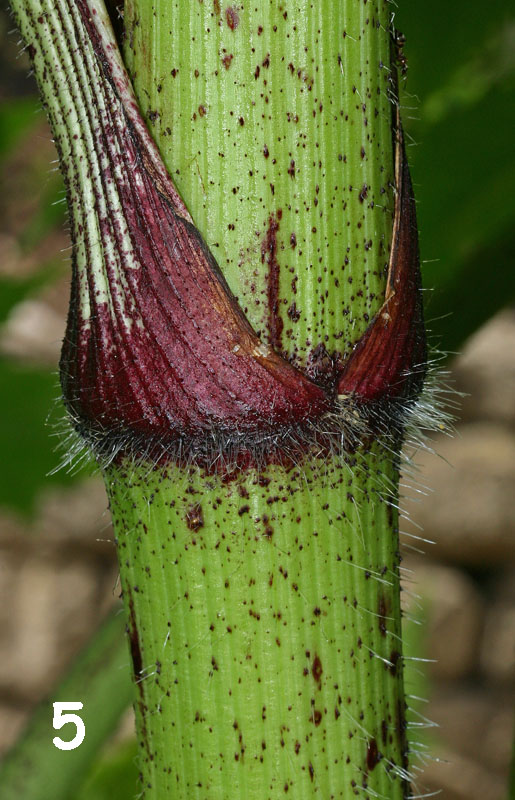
(264, 617)
(263, 605)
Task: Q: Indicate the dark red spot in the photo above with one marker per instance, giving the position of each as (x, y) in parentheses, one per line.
(316, 717)
(317, 670)
(393, 659)
(195, 517)
(232, 18)
(373, 754)
(293, 312)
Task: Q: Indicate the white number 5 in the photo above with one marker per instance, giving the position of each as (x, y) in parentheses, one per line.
(61, 719)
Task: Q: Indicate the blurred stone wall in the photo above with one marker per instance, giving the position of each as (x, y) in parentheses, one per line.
(466, 579)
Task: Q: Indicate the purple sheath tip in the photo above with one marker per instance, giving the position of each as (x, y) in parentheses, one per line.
(389, 361)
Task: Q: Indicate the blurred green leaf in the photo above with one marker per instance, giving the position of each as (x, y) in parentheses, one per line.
(51, 213)
(13, 291)
(27, 397)
(17, 116)
(463, 162)
(470, 296)
(114, 777)
(442, 36)
(35, 769)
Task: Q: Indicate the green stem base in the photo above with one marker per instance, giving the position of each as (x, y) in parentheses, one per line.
(265, 631)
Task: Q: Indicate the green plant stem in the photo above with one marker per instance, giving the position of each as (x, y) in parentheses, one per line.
(264, 607)
(265, 630)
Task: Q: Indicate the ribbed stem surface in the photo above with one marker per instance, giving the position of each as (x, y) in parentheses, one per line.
(264, 607)
(275, 122)
(265, 631)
